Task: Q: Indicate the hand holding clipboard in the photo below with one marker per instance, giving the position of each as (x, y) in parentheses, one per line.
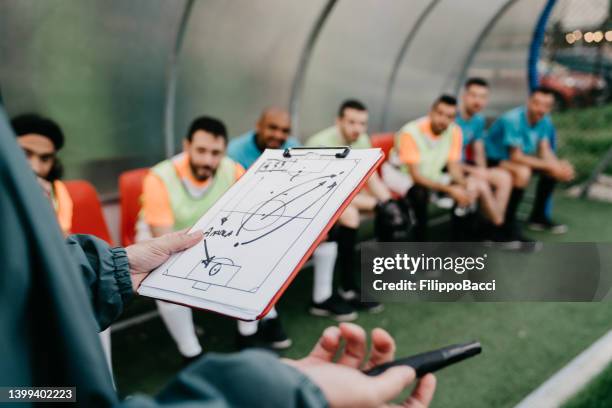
(259, 234)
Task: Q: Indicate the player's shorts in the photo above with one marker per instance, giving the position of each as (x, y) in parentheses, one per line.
(493, 162)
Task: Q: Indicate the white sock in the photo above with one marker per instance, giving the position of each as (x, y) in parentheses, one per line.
(250, 328)
(179, 321)
(247, 328)
(324, 259)
(272, 314)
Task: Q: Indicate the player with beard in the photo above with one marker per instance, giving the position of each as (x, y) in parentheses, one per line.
(41, 139)
(425, 147)
(176, 193)
(474, 100)
(520, 141)
(350, 129)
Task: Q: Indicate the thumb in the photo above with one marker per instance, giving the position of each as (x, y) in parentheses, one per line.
(180, 241)
(423, 393)
(392, 382)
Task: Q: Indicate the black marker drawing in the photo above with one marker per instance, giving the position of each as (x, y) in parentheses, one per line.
(257, 226)
(264, 216)
(215, 263)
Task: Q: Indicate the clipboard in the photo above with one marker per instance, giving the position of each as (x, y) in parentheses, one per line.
(259, 234)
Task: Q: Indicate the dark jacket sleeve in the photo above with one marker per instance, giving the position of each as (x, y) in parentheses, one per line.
(106, 275)
(248, 379)
(251, 378)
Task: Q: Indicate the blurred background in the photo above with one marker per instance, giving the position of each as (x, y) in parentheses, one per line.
(125, 78)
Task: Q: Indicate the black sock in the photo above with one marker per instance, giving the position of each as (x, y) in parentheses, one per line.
(346, 238)
(546, 185)
(515, 199)
(464, 228)
(418, 198)
(458, 225)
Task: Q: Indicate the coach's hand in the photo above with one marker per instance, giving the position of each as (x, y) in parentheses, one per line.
(148, 255)
(341, 379)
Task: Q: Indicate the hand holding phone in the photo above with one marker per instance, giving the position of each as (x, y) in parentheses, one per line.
(432, 360)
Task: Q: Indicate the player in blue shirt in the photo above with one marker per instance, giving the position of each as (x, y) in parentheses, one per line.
(520, 141)
(474, 99)
(271, 132)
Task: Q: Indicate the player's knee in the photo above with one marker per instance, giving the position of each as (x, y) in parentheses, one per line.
(481, 186)
(350, 217)
(501, 178)
(522, 175)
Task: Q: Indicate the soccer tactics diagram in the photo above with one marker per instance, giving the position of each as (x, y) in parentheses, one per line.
(263, 219)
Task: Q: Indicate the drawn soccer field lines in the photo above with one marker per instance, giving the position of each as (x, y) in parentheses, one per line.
(282, 193)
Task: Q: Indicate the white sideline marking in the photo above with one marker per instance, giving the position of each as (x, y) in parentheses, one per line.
(573, 377)
(133, 321)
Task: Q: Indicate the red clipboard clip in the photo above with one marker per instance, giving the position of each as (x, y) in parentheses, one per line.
(345, 150)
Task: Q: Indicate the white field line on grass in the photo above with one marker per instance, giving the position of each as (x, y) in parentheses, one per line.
(133, 321)
(573, 377)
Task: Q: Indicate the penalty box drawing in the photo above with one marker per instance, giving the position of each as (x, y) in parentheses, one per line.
(261, 221)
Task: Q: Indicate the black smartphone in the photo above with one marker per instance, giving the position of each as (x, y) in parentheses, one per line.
(432, 360)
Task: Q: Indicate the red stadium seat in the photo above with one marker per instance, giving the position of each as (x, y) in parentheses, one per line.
(87, 216)
(469, 152)
(130, 190)
(384, 141)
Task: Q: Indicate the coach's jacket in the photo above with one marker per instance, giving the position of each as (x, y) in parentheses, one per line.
(54, 298)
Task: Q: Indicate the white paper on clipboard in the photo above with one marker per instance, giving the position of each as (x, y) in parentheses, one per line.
(260, 231)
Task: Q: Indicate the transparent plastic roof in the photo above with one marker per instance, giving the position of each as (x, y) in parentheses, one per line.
(102, 68)
(353, 58)
(239, 57)
(435, 61)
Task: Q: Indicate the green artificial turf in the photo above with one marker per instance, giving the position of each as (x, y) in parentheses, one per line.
(584, 137)
(524, 343)
(598, 394)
